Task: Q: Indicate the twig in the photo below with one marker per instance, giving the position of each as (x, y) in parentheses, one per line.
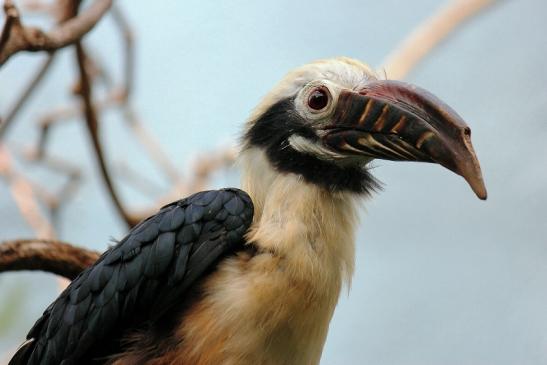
(23, 195)
(144, 184)
(118, 97)
(65, 113)
(129, 49)
(92, 124)
(12, 18)
(151, 145)
(52, 256)
(15, 37)
(97, 70)
(130, 115)
(40, 7)
(207, 164)
(26, 94)
(203, 168)
(429, 34)
(56, 164)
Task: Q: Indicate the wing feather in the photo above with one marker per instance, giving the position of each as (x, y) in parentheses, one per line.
(143, 276)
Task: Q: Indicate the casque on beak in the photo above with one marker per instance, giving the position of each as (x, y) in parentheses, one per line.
(393, 120)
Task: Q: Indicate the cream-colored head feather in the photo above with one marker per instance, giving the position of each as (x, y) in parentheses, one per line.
(343, 71)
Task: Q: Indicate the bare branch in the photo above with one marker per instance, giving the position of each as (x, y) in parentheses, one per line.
(12, 21)
(26, 94)
(429, 34)
(206, 165)
(92, 124)
(40, 7)
(23, 195)
(124, 171)
(129, 50)
(151, 145)
(131, 117)
(52, 256)
(15, 37)
(55, 164)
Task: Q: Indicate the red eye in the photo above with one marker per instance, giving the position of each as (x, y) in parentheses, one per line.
(319, 98)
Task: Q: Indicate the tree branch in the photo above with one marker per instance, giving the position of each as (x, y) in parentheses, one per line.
(24, 196)
(92, 124)
(56, 257)
(55, 164)
(429, 34)
(12, 21)
(26, 94)
(16, 37)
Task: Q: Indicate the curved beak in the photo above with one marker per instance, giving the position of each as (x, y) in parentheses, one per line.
(393, 120)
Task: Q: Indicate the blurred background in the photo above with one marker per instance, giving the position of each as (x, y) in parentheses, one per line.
(441, 278)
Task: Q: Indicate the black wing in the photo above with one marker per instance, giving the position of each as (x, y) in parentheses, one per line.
(141, 277)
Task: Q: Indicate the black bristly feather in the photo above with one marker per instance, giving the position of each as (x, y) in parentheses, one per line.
(271, 132)
(139, 279)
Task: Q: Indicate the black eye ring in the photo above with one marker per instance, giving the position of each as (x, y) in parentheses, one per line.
(319, 98)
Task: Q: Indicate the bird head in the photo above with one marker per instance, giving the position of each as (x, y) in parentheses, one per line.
(327, 120)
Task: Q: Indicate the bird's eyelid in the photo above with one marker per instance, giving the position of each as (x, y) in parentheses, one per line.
(303, 107)
(301, 102)
(331, 86)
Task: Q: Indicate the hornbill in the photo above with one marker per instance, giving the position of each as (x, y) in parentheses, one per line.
(253, 276)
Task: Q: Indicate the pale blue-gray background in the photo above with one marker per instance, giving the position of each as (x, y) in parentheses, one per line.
(442, 278)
